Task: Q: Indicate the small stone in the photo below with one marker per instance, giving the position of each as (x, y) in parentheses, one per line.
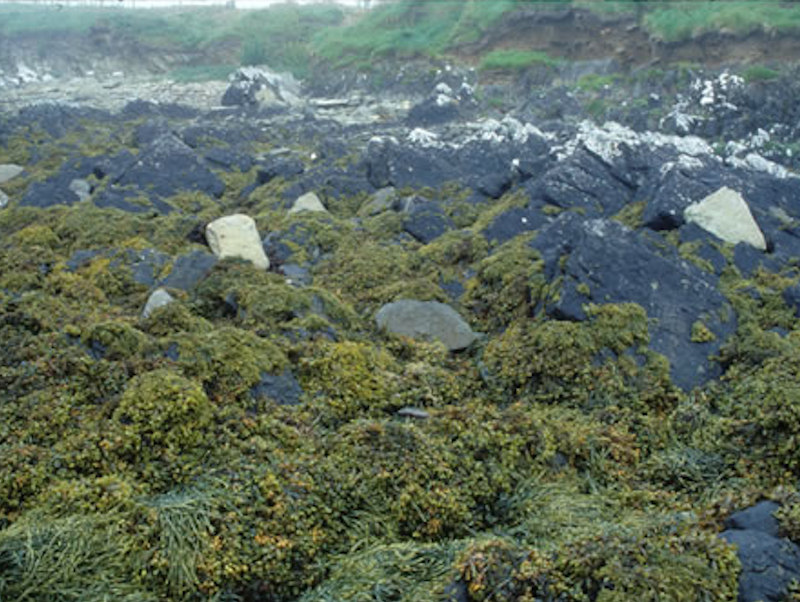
(158, 298)
(308, 202)
(237, 236)
(3, 199)
(8, 171)
(413, 413)
(726, 214)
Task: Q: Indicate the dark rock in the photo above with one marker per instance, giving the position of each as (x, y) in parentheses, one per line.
(769, 564)
(189, 270)
(748, 259)
(168, 166)
(791, 296)
(457, 591)
(758, 518)
(145, 265)
(147, 132)
(297, 274)
(58, 189)
(427, 222)
(433, 111)
(82, 258)
(229, 159)
(282, 388)
(582, 182)
(607, 263)
(514, 222)
(280, 168)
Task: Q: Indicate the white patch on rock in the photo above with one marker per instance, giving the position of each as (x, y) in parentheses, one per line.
(423, 137)
(237, 236)
(756, 162)
(308, 202)
(726, 214)
(158, 298)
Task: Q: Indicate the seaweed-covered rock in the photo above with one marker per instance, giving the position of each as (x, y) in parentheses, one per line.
(237, 236)
(167, 166)
(426, 222)
(428, 320)
(607, 263)
(283, 388)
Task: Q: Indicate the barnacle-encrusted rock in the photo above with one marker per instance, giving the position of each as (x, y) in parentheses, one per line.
(236, 236)
(427, 320)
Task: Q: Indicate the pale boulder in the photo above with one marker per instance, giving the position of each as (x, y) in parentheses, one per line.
(726, 215)
(237, 236)
(158, 298)
(428, 320)
(8, 171)
(308, 202)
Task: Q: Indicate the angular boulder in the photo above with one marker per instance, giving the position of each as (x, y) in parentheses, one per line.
(426, 320)
(9, 171)
(726, 215)
(237, 236)
(308, 202)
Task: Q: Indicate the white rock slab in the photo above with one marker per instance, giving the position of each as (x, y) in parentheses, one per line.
(158, 298)
(726, 215)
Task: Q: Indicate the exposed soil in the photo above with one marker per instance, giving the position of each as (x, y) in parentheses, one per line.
(577, 34)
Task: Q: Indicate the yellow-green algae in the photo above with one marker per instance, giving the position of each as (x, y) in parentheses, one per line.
(557, 461)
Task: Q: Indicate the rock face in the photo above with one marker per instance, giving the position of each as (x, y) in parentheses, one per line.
(308, 202)
(608, 263)
(426, 320)
(726, 215)
(769, 563)
(237, 236)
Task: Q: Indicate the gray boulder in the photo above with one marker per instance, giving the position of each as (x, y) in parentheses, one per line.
(254, 86)
(769, 564)
(426, 320)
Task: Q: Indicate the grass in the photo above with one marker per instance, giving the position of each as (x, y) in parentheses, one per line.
(678, 22)
(515, 60)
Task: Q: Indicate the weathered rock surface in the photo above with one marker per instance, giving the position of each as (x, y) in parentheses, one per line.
(608, 263)
(253, 86)
(237, 236)
(282, 389)
(426, 320)
(189, 269)
(726, 215)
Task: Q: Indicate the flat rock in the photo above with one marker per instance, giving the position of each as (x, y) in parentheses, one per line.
(237, 236)
(426, 320)
(8, 171)
(308, 202)
(188, 270)
(726, 215)
(158, 298)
